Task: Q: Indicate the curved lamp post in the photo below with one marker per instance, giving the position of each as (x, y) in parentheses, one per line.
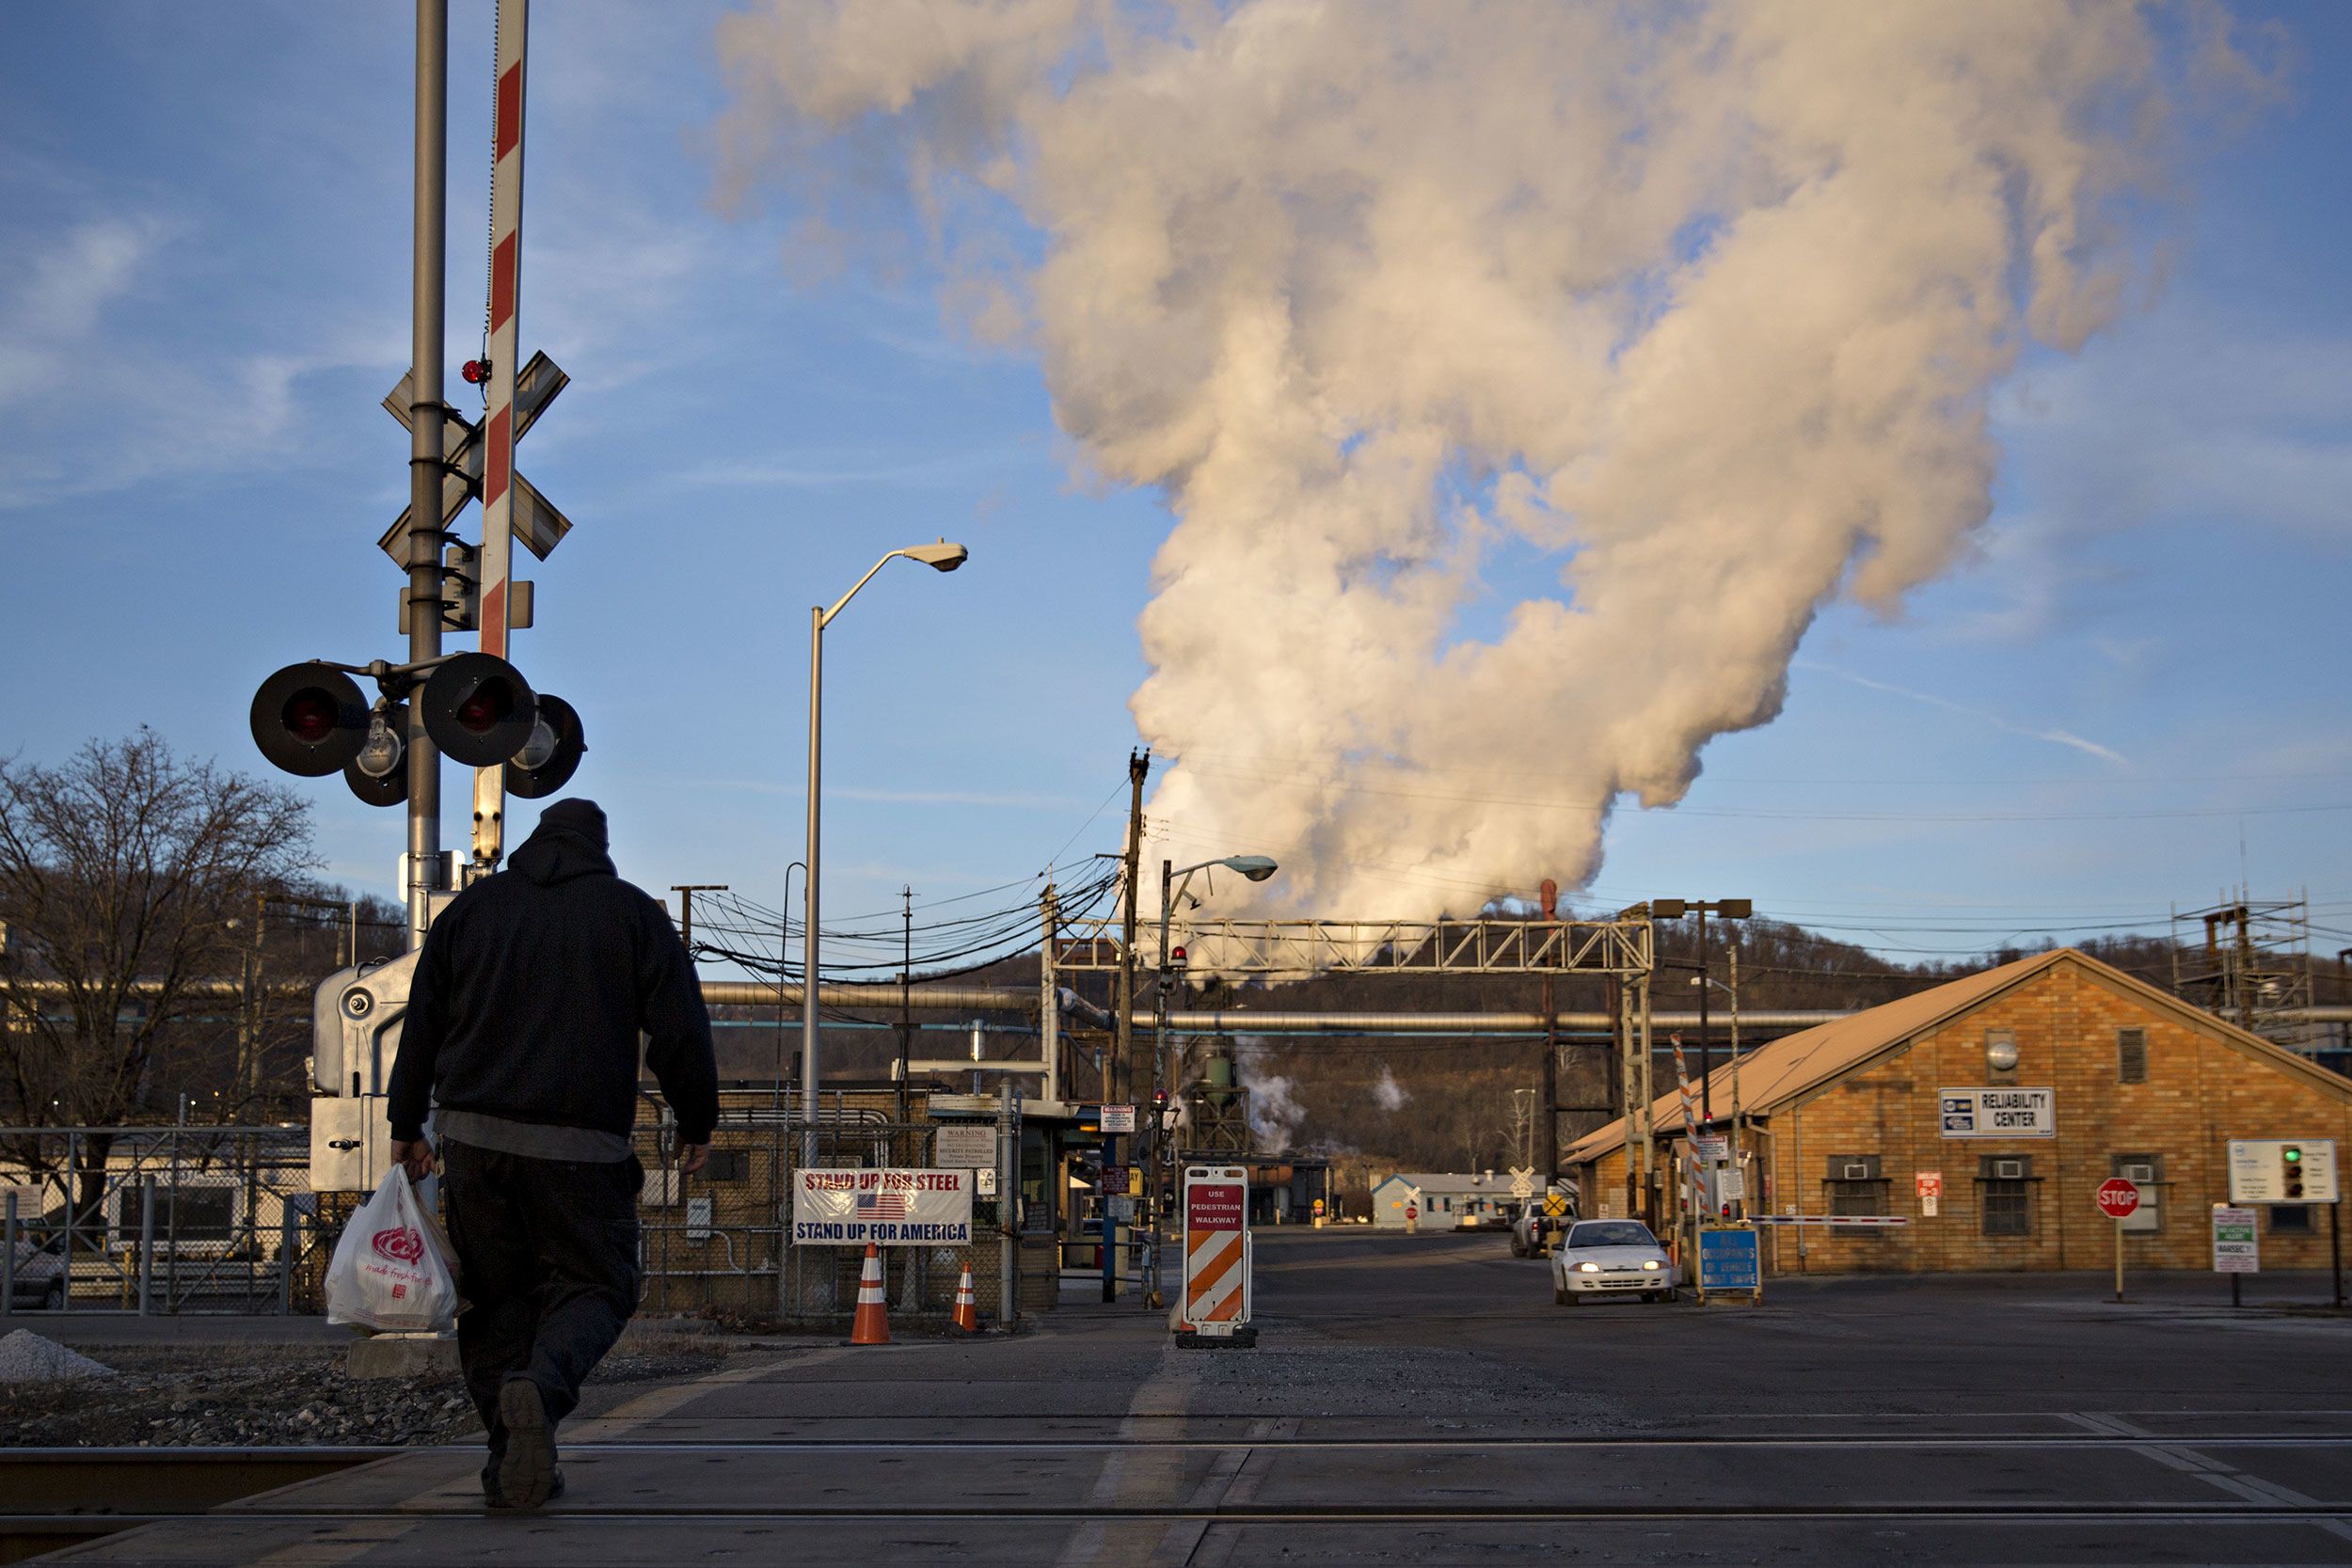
(940, 556)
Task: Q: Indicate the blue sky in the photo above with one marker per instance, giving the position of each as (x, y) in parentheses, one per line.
(2133, 697)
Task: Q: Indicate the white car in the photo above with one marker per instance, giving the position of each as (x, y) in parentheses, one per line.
(1609, 1258)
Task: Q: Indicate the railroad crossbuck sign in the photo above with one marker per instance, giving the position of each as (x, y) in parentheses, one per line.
(1216, 1248)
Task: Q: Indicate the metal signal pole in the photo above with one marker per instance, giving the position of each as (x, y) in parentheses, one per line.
(429, 261)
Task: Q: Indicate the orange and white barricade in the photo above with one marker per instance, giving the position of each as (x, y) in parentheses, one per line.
(1218, 1289)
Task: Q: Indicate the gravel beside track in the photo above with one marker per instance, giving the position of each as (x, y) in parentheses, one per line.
(246, 1395)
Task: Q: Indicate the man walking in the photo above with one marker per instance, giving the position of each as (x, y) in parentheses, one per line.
(523, 1024)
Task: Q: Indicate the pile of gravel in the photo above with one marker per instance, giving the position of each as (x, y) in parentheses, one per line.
(26, 1357)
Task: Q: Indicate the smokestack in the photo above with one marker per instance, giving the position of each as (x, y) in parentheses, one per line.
(1706, 313)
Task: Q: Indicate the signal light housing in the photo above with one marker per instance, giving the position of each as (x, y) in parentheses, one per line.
(478, 709)
(379, 774)
(310, 720)
(545, 763)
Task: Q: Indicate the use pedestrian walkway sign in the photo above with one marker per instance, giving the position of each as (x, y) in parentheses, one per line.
(1216, 1301)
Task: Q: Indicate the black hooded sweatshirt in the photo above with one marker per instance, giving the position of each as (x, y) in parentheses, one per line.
(533, 988)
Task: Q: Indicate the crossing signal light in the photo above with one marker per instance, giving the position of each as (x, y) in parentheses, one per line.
(2291, 1159)
(310, 720)
(546, 762)
(478, 709)
(379, 774)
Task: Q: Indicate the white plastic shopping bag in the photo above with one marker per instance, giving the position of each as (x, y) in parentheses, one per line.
(392, 1271)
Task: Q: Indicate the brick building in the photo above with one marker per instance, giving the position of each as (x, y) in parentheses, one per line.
(2023, 1088)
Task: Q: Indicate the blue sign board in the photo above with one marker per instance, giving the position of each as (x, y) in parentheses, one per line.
(1728, 1260)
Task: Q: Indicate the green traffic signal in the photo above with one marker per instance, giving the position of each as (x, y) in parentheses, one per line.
(2292, 1156)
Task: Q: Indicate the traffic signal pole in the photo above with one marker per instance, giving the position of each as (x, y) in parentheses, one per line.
(426, 469)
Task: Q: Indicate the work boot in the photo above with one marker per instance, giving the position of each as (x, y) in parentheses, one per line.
(492, 1496)
(527, 1475)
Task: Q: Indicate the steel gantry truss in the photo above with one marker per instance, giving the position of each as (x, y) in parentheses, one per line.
(1298, 950)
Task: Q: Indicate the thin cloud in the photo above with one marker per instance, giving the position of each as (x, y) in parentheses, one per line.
(2056, 738)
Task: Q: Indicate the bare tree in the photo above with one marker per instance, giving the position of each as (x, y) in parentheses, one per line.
(120, 873)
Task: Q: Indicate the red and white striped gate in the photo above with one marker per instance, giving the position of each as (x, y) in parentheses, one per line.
(498, 424)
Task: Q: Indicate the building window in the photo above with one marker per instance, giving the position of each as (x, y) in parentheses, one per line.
(2147, 1171)
(2131, 1055)
(1855, 1186)
(2004, 1194)
(2291, 1219)
(727, 1165)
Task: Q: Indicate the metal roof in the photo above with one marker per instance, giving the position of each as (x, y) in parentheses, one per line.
(1787, 1068)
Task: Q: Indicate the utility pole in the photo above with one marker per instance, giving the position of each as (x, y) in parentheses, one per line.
(1154, 1174)
(1746, 1197)
(685, 892)
(1138, 765)
(906, 1000)
(1547, 1157)
(429, 261)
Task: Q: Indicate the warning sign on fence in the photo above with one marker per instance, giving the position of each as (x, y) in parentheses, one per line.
(888, 1206)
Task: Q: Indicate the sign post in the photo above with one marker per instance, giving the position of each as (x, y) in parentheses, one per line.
(2119, 1200)
(1729, 1261)
(1217, 1298)
(2237, 1245)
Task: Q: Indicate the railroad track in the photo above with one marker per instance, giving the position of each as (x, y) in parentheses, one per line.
(54, 1498)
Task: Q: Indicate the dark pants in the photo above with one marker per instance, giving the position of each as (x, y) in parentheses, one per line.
(547, 1262)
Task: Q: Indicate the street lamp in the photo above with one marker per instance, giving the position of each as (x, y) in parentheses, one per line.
(1257, 868)
(940, 556)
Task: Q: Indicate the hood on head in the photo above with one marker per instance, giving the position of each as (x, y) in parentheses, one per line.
(569, 842)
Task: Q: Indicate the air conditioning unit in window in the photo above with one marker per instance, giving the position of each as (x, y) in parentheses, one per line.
(2139, 1173)
(1857, 1171)
(2008, 1170)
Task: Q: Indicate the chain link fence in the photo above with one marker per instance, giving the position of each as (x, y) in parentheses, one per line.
(222, 1220)
(719, 1239)
(159, 1220)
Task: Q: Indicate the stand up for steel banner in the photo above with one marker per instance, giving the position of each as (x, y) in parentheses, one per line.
(1215, 1307)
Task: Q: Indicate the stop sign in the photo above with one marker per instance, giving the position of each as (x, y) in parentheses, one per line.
(2118, 1198)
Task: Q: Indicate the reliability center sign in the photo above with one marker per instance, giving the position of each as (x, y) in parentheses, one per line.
(888, 1207)
(1999, 1112)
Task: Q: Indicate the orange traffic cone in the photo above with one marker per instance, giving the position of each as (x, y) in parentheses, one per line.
(871, 1326)
(966, 1317)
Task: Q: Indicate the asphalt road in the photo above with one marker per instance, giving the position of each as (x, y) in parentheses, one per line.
(1421, 1399)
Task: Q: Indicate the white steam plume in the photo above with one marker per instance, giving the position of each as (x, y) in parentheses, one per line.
(1701, 301)
(1274, 1114)
(1388, 1093)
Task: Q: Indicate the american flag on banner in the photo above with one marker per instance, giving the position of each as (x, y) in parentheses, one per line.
(881, 1206)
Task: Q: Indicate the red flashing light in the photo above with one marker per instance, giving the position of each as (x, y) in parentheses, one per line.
(309, 715)
(1176, 956)
(486, 708)
(476, 372)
